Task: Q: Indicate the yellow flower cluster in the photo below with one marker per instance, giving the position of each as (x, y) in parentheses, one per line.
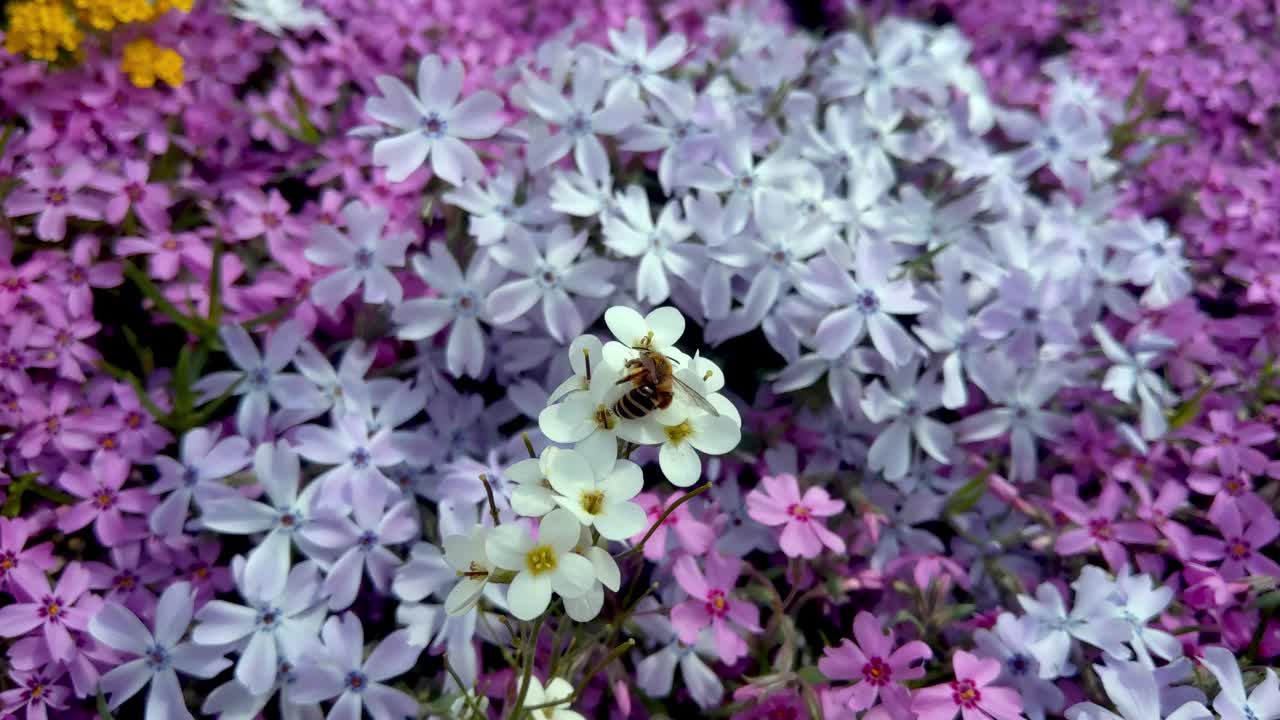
(40, 28)
(145, 62)
(107, 14)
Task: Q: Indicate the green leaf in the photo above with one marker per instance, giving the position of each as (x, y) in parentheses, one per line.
(812, 675)
(272, 316)
(215, 282)
(1137, 92)
(183, 379)
(146, 358)
(968, 495)
(195, 325)
(1189, 410)
(1269, 601)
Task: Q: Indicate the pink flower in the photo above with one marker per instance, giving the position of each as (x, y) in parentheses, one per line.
(971, 693)
(780, 503)
(36, 692)
(54, 611)
(18, 562)
(1231, 446)
(1240, 548)
(877, 669)
(691, 535)
(103, 501)
(1099, 529)
(710, 603)
(55, 194)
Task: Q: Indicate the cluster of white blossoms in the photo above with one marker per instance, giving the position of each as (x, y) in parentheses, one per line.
(582, 491)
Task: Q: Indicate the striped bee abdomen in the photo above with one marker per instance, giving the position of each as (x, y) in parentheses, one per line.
(637, 402)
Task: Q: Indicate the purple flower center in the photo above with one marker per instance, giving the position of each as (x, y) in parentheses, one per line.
(867, 301)
(877, 672)
(190, 475)
(433, 125)
(356, 681)
(368, 540)
(52, 609)
(157, 658)
(965, 694)
(104, 498)
(1100, 528)
(259, 378)
(360, 458)
(363, 258)
(717, 605)
(1018, 664)
(1239, 548)
(57, 195)
(799, 512)
(579, 124)
(268, 617)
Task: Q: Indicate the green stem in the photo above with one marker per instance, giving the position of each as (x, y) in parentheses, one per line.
(530, 650)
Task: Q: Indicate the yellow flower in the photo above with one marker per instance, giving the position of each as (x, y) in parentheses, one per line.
(107, 14)
(40, 28)
(164, 6)
(145, 62)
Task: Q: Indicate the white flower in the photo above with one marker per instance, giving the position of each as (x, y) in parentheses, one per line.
(1132, 373)
(598, 490)
(1232, 703)
(492, 211)
(711, 434)
(433, 124)
(542, 566)
(557, 689)
(277, 16)
(587, 607)
(362, 256)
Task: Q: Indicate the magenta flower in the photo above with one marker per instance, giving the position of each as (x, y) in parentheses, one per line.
(970, 694)
(780, 503)
(710, 603)
(104, 503)
(54, 611)
(55, 194)
(165, 250)
(18, 562)
(1230, 445)
(876, 667)
(260, 215)
(1242, 543)
(149, 201)
(1099, 530)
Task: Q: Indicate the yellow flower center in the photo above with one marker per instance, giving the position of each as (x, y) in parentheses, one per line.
(541, 559)
(605, 419)
(677, 433)
(593, 502)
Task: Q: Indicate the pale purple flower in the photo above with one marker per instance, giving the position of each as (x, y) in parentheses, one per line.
(1155, 260)
(362, 256)
(899, 61)
(635, 67)
(1138, 694)
(280, 618)
(281, 516)
(580, 117)
(1232, 702)
(1094, 618)
(679, 130)
(357, 682)
(206, 459)
(655, 674)
(1066, 143)
(491, 207)
(1009, 642)
(906, 407)
(460, 301)
(549, 278)
(1019, 412)
(260, 377)
(433, 123)
(659, 246)
(863, 302)
(363, 543)
(159, 656)
(357, 454)
(1027, 313)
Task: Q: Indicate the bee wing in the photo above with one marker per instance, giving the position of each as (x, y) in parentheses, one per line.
(683, 389)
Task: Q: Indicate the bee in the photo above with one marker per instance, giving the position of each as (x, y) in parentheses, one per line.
(654, 387)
